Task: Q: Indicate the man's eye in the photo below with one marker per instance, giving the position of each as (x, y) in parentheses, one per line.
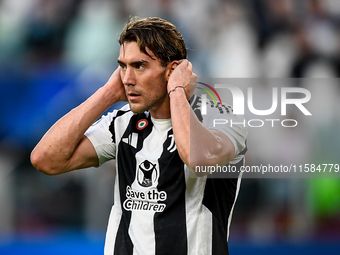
(140, 67)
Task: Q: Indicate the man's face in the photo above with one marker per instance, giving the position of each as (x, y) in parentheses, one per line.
(144, 80)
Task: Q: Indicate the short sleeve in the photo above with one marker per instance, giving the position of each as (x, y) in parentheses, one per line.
(221, 117)
(101, 137)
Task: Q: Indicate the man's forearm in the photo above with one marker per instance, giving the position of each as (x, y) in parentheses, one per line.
(61, 140)
(180, 119)
(196, 144)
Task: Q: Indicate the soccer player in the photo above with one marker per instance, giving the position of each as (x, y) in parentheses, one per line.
(162, 204)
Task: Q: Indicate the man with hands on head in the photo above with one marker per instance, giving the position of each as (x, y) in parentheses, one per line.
(157, 140)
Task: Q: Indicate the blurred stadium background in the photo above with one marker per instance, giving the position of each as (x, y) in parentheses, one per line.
(56, 53)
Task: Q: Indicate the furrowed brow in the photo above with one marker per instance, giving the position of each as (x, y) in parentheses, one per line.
(134, 63)
(121, 63)
(138, 63)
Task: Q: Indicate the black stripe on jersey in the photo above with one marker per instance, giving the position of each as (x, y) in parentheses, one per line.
(195, 105)
(198, 115)
(219, 198)
(219, 242)
(127, 164)
(194, 102)
(123, 244)
(170, 225)
(111, 127)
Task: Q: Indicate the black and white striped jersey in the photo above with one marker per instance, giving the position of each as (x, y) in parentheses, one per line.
(160, 207)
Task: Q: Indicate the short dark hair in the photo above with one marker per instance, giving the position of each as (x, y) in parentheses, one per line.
(159, 35)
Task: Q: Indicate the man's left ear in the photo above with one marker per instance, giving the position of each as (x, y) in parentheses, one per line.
(170, 67)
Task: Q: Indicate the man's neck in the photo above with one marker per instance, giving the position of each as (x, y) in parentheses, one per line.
(162, 111)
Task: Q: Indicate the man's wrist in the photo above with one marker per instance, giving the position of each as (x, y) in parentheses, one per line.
(109, 95)
(176, 89)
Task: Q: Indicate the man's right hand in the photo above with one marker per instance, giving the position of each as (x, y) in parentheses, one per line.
(115, 85)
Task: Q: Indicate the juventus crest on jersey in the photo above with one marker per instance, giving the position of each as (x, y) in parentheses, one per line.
(160, 207)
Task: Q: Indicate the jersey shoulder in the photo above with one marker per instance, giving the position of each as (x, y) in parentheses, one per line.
(201, 106)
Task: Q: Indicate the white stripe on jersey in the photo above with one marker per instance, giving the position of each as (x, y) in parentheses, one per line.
(113, 224)
(116, 210)
(205, 230)
(142, 221)
(199, 228)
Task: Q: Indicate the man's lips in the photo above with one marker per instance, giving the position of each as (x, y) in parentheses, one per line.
(133, 95)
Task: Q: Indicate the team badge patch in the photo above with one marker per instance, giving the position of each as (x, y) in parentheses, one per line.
(141, 124)
(147, 174)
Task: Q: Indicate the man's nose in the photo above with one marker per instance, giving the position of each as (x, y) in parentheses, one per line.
(129, 76)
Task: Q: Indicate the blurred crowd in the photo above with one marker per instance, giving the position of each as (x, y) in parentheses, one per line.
(54, 54)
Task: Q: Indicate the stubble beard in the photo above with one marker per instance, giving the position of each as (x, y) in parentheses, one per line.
(152, 103)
